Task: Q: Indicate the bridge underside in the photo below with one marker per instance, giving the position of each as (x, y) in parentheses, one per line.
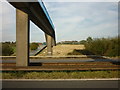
(36, 15)
(26, 11)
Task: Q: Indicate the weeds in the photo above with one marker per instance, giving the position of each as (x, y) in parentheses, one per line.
(60, 75)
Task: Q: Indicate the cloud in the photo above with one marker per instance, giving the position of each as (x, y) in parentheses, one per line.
(78, 20)
(8, 22)
(72, 20)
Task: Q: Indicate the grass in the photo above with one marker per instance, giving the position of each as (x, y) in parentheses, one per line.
(60, 75)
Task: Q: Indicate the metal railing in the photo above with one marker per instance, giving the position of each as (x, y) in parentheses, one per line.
(46, 12)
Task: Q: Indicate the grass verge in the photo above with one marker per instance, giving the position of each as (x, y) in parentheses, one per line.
(60, 75)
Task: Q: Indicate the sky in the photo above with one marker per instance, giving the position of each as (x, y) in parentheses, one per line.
(72, 21)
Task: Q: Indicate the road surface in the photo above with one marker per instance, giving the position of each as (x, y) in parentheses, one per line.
(62, 60)
(33, 52)
(60, 83)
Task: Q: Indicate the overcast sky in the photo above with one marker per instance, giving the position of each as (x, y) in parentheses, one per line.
(72, 21)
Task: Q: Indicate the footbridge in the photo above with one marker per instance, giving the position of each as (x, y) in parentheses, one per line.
(37, 13)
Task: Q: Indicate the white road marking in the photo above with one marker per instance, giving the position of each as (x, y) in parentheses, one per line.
(100, 79)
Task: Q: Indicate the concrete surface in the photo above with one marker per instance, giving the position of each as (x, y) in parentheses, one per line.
(22, 38)
(60, 83)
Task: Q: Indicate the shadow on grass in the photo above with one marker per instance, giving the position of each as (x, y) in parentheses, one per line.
(84, 52)
(80, 52)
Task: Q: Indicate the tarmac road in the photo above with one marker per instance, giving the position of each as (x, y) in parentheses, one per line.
(75, 83)
(62, 60)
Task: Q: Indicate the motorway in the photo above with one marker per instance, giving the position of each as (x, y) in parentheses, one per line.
(75, 83)
(62, 60)
(62, 64)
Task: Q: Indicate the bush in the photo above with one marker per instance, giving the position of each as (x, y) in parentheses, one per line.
(7, 50)
(83, 41)
(34, 46)
(104, 46)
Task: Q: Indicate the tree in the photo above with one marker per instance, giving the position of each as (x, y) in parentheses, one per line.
(89, 39)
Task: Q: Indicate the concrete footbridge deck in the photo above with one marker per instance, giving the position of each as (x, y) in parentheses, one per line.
(37, 14)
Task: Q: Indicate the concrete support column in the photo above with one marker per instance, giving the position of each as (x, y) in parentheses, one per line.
(49, 44)
(22, 38)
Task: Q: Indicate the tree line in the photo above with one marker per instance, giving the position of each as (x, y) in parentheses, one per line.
(98, 46)
(9, 48)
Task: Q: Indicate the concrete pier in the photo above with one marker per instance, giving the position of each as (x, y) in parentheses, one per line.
(49, 42)
(22, 38)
